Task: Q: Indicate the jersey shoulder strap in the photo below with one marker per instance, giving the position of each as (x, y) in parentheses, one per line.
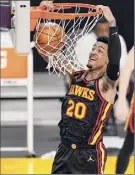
(78, 73)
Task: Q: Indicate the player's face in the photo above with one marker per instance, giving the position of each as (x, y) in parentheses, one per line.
(98, 57)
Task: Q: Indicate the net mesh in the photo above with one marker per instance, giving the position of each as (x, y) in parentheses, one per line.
(65, 58)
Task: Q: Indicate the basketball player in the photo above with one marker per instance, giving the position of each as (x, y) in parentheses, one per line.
(101, 29)
(87, 105)
(121, 111)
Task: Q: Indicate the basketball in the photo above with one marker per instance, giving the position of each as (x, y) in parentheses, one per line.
(50, 37)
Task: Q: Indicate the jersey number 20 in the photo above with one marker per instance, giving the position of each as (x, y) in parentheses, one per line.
(77, 110)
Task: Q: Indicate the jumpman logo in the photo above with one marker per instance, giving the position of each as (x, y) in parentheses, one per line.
(90, 159)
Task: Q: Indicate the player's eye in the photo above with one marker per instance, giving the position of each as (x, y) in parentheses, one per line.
(100, 51)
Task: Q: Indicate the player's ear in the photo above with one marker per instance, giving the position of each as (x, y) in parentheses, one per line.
(107, 61)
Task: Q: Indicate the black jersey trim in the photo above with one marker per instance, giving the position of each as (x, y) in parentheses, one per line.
(84, 78)
(108, 114)
(100, 122)
(76, 73)
(98, 91)
(105, 155)
(131, 123)
(94, 131)
(102, 157)
(99, 158)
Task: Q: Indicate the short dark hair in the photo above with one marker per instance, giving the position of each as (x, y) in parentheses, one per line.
(103, 39)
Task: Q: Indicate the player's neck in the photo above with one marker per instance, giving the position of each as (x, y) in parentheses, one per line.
(95, 74)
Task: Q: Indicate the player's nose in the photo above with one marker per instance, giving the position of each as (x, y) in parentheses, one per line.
(94, 52)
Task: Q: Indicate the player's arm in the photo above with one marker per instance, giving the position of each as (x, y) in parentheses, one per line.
(122, 109)
(126, 74)
(114, 48)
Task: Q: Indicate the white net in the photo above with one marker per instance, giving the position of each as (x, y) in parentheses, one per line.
(64, 58)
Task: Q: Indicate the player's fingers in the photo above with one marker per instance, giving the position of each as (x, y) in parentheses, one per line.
(100, 7)
(46, 2)
(103, 8)
(46, 5)
(43, 7)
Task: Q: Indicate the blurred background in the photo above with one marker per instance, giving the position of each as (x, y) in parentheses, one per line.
(49, 92)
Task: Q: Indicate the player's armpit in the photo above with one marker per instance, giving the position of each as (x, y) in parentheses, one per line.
(108, 83)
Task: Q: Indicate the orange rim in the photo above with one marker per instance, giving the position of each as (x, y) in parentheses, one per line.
(37, 12)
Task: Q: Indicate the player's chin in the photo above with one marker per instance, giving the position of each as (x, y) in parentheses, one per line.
(90, 66)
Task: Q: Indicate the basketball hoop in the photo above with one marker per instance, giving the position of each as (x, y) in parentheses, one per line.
(75, 23)
(59, 12)
(80, 24)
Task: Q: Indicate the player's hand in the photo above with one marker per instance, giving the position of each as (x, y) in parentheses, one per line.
(108, 15)
(121, 110)
(46, 5)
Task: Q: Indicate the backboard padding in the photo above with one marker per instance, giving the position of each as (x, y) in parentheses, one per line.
(21, 30)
